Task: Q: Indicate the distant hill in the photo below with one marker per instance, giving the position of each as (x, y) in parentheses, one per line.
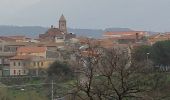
(34, 31)
(117, 29)
(95, 33)
(30, 31)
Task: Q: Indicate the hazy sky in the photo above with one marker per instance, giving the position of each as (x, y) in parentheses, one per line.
(136, 14)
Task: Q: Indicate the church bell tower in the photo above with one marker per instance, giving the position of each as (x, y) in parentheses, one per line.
(63, 24)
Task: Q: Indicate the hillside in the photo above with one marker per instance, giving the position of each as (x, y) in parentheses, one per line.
(33, 31)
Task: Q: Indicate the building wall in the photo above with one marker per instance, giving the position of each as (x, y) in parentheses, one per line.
(18, 67)
(23, 67)
(1, 72)
(41, 64)
(6, 72)
(41, 54)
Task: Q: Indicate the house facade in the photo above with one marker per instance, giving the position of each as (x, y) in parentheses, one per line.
(29, 60)
(19, 65)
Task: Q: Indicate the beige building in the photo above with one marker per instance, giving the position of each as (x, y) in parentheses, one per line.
(19, 65)
(28, 65)
(29, 61)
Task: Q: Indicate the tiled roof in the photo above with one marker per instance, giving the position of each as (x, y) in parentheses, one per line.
(166, 35)
(90, 53)
(49, 44)
(31, 49)
(21, 57)
(20, 37)
(7, 39)
(51, 32)
(10, 43)
(12, 38)
(158, 37)
(54, 31)
(28, 57)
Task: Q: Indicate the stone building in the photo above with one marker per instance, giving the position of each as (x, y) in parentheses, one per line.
(60, 34)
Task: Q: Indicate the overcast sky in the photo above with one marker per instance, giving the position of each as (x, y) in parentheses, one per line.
(149, 15)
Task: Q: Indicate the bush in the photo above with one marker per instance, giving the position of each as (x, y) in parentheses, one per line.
(60, 71)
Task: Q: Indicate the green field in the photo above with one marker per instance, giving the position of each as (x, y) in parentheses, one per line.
(34, 90)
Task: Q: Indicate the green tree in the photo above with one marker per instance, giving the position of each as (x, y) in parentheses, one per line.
(161, 53)
(142, 53)
(60, 70)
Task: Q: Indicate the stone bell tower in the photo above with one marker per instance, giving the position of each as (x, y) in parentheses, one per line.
(63, 24)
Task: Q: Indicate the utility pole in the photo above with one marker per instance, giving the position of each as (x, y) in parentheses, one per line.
(147, 56)
(52, 91)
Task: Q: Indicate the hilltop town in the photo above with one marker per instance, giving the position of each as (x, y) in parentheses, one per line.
(118, 65)
(25, 56)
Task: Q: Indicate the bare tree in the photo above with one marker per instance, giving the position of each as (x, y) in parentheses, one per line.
(107, 74)
(124, 78)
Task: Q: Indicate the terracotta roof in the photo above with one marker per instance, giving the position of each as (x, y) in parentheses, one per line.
(159, 37)
(124, 35)
(28, 57)
(166, 35)
(128, 37)
(89, 53)
(4, 38)
(21, 57)
(12, 38)
(54, 31)
(31, 49)
(51, 32)
(49, 44)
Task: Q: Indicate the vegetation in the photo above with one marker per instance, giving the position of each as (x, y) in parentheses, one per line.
(158, 53)
(101, 74)
(142, 53)
(118, 75)
(60, 71)
(112, 75)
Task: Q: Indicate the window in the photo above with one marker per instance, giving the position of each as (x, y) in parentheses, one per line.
(19, 72)
(0, 48)
(38, 63)
(41, 63)
(19, 63)
(34, 63)
(14, 72)
(14, 64)
(24, 71)
(24, 64)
